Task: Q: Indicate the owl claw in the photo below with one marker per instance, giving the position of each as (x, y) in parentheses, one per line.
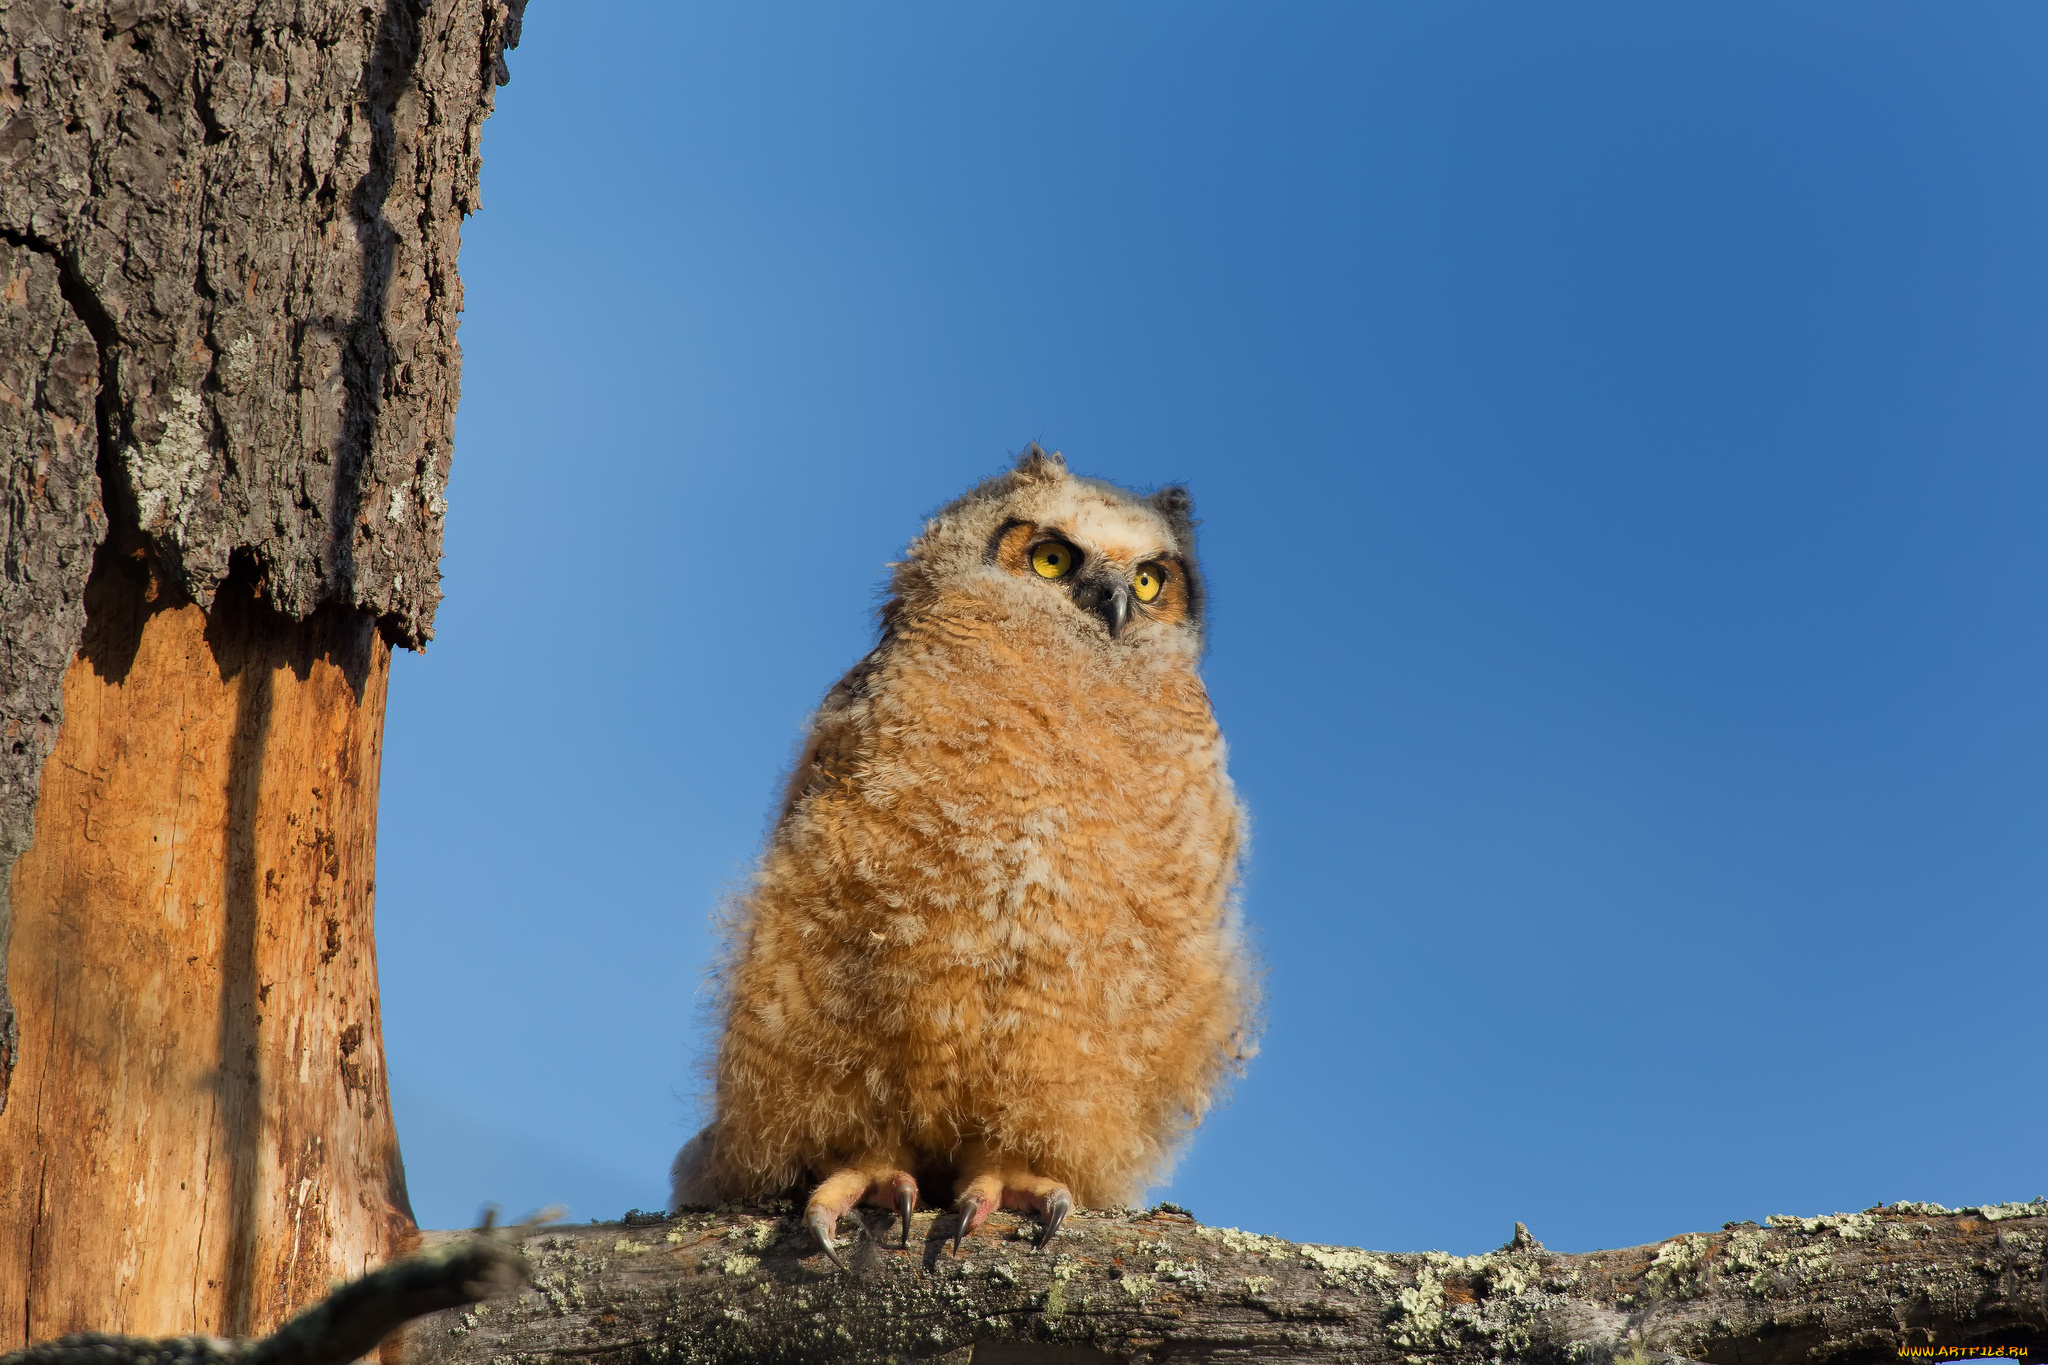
(906, 1200)
(820, 1222)
(1058, 1205)
(971, 1210)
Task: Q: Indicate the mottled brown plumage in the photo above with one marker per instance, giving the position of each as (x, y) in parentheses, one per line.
(993, 934)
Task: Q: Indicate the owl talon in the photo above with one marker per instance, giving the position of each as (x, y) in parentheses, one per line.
(819, 1222)
(972, 1210)
(906, 1200)
(1058, 1205)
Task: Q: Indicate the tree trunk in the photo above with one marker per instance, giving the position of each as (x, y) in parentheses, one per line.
(228, 376)
(200, 1138)
(742, 1286)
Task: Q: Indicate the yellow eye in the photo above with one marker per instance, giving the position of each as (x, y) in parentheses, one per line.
(1150, 579)
(1054, 559)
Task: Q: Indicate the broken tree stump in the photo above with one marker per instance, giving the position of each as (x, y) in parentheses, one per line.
(228, 377)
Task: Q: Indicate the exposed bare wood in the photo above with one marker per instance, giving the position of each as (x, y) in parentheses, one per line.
(743, 1286)
(200, 1137)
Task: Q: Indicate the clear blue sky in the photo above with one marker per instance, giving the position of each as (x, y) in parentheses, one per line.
(1620, 434)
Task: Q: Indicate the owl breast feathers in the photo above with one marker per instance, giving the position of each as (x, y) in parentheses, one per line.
(993, 940)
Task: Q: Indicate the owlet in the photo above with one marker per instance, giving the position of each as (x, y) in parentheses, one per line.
(993, 942)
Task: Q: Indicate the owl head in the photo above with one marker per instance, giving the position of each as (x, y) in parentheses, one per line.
(1103, 565)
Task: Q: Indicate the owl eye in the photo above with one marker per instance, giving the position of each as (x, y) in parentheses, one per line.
(1149, 580)
(1054, 559)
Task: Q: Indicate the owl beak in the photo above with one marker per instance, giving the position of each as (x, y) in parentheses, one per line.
(1109, 598)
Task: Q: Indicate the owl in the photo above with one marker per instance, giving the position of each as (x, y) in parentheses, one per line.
(993, 942)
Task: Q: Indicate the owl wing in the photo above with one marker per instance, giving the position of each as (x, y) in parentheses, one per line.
(691, 1183)
(830, 749)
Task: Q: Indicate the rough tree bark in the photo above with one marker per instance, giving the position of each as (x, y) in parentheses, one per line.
(228, 376)
(742, 1286)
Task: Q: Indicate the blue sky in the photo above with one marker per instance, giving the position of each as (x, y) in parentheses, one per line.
(1619, 432)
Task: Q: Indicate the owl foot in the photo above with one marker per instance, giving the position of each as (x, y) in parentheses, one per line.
(1015, 1188)
(839, 1192)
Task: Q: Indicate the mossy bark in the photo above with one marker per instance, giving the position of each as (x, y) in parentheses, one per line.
(1153, 1287)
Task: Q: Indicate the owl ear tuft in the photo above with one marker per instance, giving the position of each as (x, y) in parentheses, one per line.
(1037, 465)
(1175, 502)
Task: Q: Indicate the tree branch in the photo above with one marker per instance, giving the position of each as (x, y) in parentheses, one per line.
(742, 1285)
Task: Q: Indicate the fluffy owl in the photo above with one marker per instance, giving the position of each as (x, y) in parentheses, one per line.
(993, 941)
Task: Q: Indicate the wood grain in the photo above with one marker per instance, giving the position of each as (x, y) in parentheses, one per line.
(200, 1137)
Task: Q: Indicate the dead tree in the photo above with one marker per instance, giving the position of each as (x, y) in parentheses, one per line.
(228, 375)
(746, 1287)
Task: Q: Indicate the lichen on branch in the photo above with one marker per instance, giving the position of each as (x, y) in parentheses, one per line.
(744, 1285)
